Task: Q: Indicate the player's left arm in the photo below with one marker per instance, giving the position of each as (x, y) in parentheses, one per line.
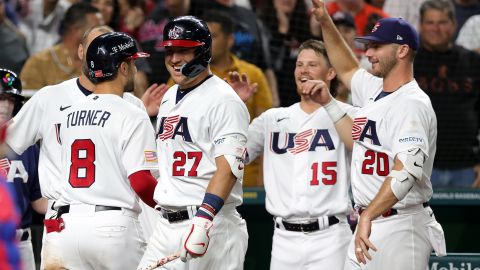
(229, 135)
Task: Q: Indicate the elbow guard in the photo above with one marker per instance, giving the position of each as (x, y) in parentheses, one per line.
(403, 180)
(234, 151)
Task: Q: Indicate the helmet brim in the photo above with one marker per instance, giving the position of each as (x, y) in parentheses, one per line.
(139, 55)
(181, 43)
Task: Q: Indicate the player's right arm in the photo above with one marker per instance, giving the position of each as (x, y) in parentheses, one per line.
(339, 54)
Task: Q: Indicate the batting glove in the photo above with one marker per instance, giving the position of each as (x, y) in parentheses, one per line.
(195, 241)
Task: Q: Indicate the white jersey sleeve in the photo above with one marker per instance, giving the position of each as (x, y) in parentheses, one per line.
(139, 150)
(25, 128)
(256, 138)
(230, 129)
(365, 87)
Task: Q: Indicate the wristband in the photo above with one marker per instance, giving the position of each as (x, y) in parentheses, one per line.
(334, 111)
(211, 205)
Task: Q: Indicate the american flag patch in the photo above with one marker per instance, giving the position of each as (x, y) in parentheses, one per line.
(98, 73)
(150, 156)
(4, 167)
(357, 128)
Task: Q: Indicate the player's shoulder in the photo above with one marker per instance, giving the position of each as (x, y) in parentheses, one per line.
(57, 90)
(219, 90)
(129, 97)
(415, 99)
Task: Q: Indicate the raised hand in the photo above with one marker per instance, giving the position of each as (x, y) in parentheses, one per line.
(317, 90)
(240, 84)
(318, 9)
(153, 96)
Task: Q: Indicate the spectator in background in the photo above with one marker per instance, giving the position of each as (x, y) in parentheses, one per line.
(225, 62)
(469, 34)
(251, 37)
(13, 52)
(409, 10)
(110, 14)
(20, 171)
(464, 9)
(450, 75)
(61, 62)
(288, 24)
(109, 10)
(365, 15)
(41, 25)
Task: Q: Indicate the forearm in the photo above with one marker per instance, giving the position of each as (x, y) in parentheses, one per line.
(344, 129)
(223, 179)
(383, 201)
(339, 53)
(40, 205)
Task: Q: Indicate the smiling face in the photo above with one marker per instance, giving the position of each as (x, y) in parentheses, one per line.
(383, 58)
(311, 66)
(175, 58)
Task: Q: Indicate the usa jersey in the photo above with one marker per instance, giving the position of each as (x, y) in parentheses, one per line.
(21, 173)
(39, 120)
(189, 133)
(104, 140)
(305, 164)
(395, 123)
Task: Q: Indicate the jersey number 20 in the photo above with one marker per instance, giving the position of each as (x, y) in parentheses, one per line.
(82, 168)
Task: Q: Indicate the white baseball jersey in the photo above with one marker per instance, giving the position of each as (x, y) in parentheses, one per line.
(104, 140)
(305, 164)
(38, 121)
(395, 123)
(191, 133)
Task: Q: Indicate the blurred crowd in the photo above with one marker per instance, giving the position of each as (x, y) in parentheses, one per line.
(261, 38)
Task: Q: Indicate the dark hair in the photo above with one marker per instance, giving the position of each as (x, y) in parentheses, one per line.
(440, 5)
(76, 15)
(318, 47)
(222, 18)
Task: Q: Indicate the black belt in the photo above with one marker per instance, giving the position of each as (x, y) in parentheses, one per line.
(174, 216)
(392, 211)
(98, 208)
(25, 236)
(308, 227)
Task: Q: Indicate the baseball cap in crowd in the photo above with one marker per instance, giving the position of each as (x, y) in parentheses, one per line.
(343, 18)
(392, 30)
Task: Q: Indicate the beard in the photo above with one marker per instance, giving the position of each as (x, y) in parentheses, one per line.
(130, 86)
(385, 66)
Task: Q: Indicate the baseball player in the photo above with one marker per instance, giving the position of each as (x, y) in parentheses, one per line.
(20, 171)
(39, 120)
(201, 134)
(393, 136)
(306, 169)
(108, 149)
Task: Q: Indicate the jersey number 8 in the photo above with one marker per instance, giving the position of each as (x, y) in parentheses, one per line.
(82, 168)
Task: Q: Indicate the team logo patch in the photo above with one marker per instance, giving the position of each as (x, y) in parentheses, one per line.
(150, 156)
(4, 167)
(8, 80)
(375, 27)
(98, 73)
(357, 128)
(175, 32)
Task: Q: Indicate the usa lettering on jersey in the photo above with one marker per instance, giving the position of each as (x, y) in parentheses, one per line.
(172, 126)
(363, 128)
(12, 169)
(295, 143)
